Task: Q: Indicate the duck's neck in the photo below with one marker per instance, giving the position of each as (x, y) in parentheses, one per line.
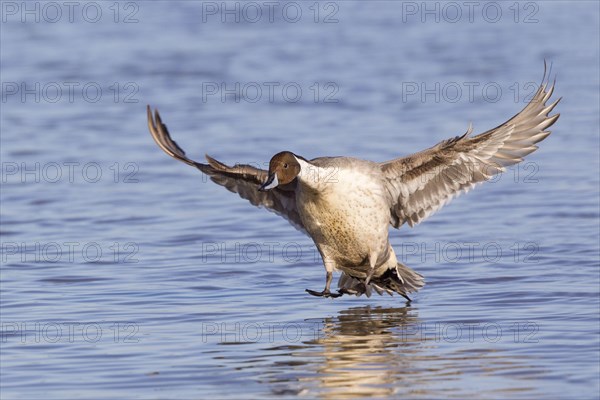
(314, 177)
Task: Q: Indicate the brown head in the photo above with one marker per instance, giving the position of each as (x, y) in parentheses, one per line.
(283, 168)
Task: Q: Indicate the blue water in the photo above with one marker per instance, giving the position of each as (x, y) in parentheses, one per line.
(126, 274)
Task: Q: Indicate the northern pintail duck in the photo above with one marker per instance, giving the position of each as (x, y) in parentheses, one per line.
(346, 204)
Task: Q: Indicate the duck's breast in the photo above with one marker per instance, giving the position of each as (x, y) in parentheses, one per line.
(348, 217)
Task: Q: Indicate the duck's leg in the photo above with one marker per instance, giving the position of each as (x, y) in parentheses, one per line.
(328, 278)
(326, 292)
(361, 287)
(372, 261)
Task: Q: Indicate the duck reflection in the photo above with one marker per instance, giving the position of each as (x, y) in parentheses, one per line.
(362, 350)
(389, 353)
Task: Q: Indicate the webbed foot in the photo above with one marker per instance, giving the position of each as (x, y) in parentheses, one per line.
(324, 293)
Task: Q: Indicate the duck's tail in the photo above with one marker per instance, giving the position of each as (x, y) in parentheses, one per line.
(401, 280)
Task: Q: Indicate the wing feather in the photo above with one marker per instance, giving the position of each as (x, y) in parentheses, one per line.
(422, 183)
(241, 179)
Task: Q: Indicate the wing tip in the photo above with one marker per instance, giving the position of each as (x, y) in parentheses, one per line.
(216, 164)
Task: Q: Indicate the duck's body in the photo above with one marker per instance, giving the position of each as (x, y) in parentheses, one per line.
(334, 212)
(336, 196)
(346, 205)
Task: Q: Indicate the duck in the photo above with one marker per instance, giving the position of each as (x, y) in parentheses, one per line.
(346, 205)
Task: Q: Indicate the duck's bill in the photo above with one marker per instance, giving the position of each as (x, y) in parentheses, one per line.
(271, 183)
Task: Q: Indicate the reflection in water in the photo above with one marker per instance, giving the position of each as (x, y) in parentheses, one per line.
(381, 352)
(363, 349)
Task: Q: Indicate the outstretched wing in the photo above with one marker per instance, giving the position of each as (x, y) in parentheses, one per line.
(422, 183)
(241, 179)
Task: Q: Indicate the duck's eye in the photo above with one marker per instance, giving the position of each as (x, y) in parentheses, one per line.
(285, 165)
